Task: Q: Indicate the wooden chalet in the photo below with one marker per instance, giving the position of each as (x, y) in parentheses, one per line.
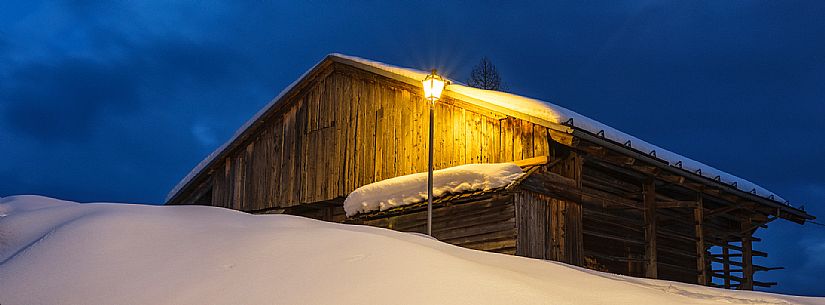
(592, 196)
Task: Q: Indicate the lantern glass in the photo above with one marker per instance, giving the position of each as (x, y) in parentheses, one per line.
(433, 86)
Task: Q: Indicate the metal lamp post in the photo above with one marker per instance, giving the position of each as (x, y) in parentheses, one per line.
(433, 86)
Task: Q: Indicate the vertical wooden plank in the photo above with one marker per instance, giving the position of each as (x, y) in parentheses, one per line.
(357, 136)
(726, 265)
(446, 137)
(287, 157)
(463, 132)
(389, 133)
(249, 177)
(329, 146)
(485, 140)
(507, 139)
(701, 260)
(378, 133)
(384, 136)
(527, 140)
(338, 98)
(302, 124)
(557, 225)
(287, 182)
(407, 133)
(275, 157)
(419, 138)
(365, 135)
(649, 189)
(237, 175)
(495, 134)
(747, 258)
(477, 138)
(230, 183)
(313, 157)
(371, 105)
(518, 143)
(297, 155)
(448, 157)
(398, 132)
(458, 135)
(539, 140)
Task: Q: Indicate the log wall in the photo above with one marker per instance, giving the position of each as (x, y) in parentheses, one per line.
(483, 224)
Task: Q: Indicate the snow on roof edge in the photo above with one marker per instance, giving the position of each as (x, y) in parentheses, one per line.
(534, 107)
(411, 189)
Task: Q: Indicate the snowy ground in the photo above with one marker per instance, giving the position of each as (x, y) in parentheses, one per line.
(59, 252)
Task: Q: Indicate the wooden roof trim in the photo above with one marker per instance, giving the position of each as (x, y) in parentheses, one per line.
(663, 165)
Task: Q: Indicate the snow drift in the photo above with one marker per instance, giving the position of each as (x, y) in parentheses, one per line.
(60, 252)
(410, 189)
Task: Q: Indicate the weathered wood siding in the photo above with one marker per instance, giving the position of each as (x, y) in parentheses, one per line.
(484, 224)
(350, 128)
(547, 227)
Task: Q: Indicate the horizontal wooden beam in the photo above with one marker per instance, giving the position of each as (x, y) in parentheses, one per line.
(733, 247)
(741, 280)
(531, 161)
(676, 204)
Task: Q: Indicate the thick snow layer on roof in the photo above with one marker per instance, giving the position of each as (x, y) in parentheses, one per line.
(410, 189)
(60, 252)
(536, 108)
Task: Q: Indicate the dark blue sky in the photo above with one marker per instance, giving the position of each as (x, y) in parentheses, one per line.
(116, 102)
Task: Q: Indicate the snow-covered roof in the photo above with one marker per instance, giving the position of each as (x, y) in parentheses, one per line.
(410, 189)
(544, 112)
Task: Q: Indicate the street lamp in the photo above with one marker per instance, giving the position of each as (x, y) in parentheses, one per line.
(433, 86)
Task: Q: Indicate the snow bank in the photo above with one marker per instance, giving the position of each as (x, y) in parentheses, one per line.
(59, 252)
(409, 189)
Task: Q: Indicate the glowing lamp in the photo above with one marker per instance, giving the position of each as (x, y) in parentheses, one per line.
(433, 86)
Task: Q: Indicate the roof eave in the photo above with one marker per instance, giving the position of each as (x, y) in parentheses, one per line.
(664, 165)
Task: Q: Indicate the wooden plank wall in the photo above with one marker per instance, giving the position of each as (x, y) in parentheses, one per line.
(548, 228)
(485, 224)
(351, 128)
(542, 222)
(533, 219)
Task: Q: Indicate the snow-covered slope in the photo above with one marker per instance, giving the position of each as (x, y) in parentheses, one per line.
(59, 252)
(409, 189)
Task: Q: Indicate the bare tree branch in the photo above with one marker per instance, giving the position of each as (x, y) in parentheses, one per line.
(485, 76)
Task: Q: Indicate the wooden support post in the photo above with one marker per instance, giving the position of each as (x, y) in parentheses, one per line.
(573, 248)
(701, 263)
(747, 259)
(651, 268)
(726, 266)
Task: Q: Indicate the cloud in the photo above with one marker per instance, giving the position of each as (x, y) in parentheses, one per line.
(63, 100)
(814, 252)
(204, 134)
